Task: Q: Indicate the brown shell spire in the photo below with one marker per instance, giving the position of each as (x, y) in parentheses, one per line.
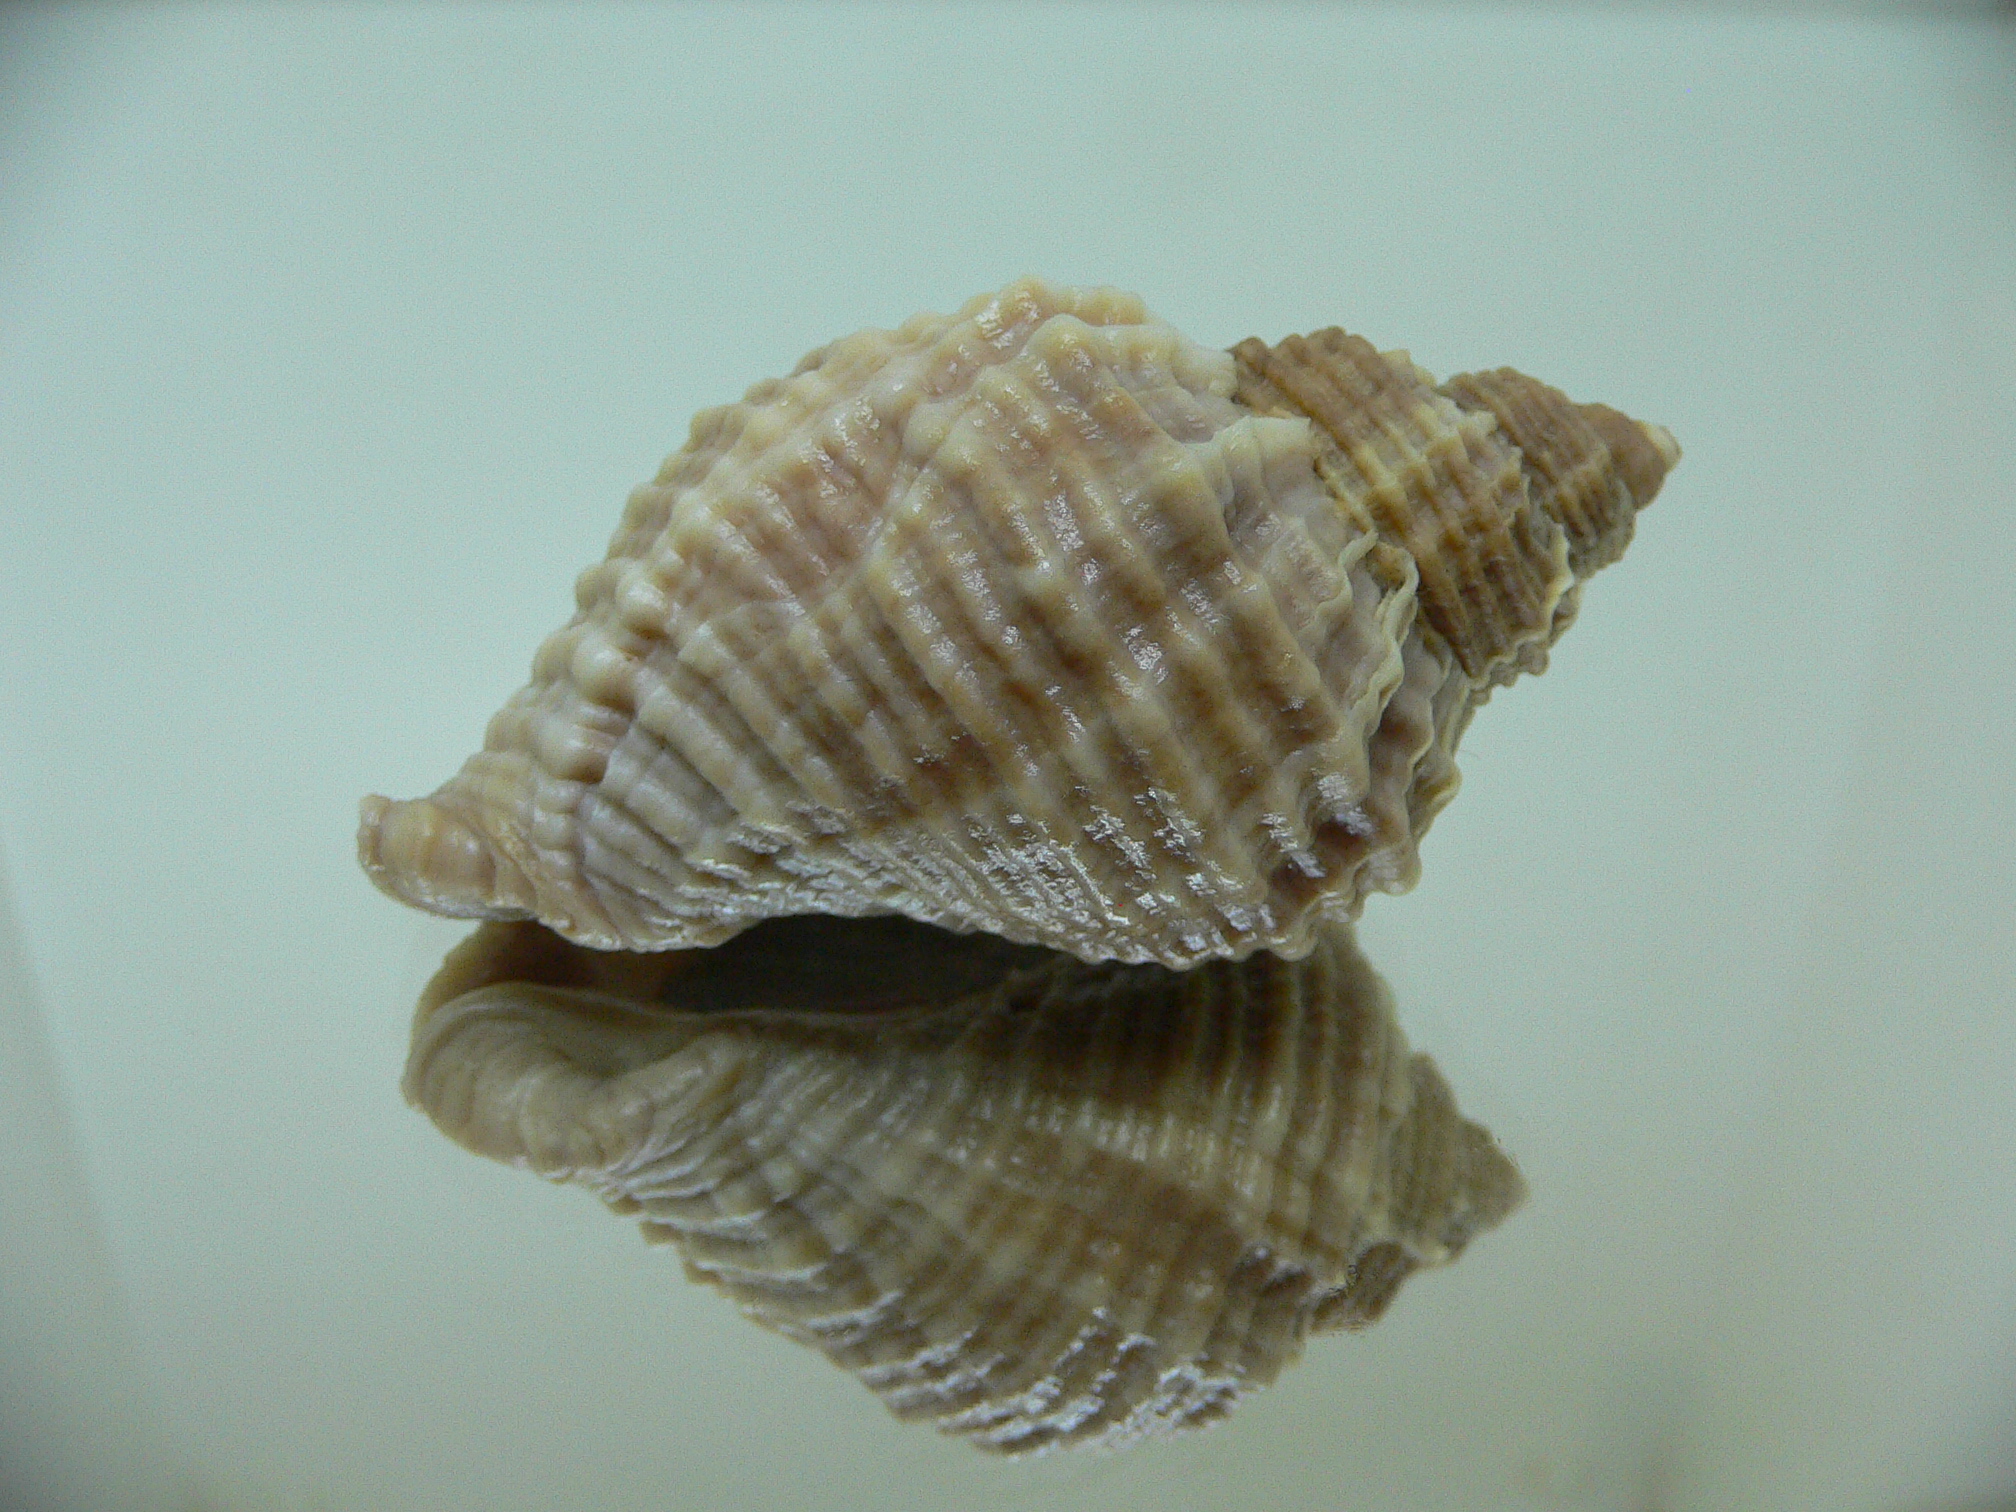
(1504, 492)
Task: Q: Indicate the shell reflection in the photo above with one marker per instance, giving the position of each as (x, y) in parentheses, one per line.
(1033, 1201)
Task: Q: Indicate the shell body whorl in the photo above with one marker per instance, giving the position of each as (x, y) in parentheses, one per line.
(1038, 620)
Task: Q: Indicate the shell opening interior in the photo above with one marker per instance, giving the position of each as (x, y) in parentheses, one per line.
(806, 963)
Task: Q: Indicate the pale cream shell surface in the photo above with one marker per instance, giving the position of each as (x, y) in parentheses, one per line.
(1032, 1201)
(1008, 621)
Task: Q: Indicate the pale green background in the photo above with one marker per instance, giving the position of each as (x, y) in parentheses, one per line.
(330, 342)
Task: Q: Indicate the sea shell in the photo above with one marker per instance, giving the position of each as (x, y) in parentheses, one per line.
(1033, 1201)
(1039, 620)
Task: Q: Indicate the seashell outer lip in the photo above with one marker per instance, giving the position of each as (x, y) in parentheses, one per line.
(420, 853)
(1032, 1201)
(1040, 620)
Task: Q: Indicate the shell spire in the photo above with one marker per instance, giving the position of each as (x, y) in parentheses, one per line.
(1505, 493)
(1039, 620)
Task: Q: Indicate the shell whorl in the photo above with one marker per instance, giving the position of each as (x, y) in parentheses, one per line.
(1039, 620)
(1031, 1201)
(1503, 492)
